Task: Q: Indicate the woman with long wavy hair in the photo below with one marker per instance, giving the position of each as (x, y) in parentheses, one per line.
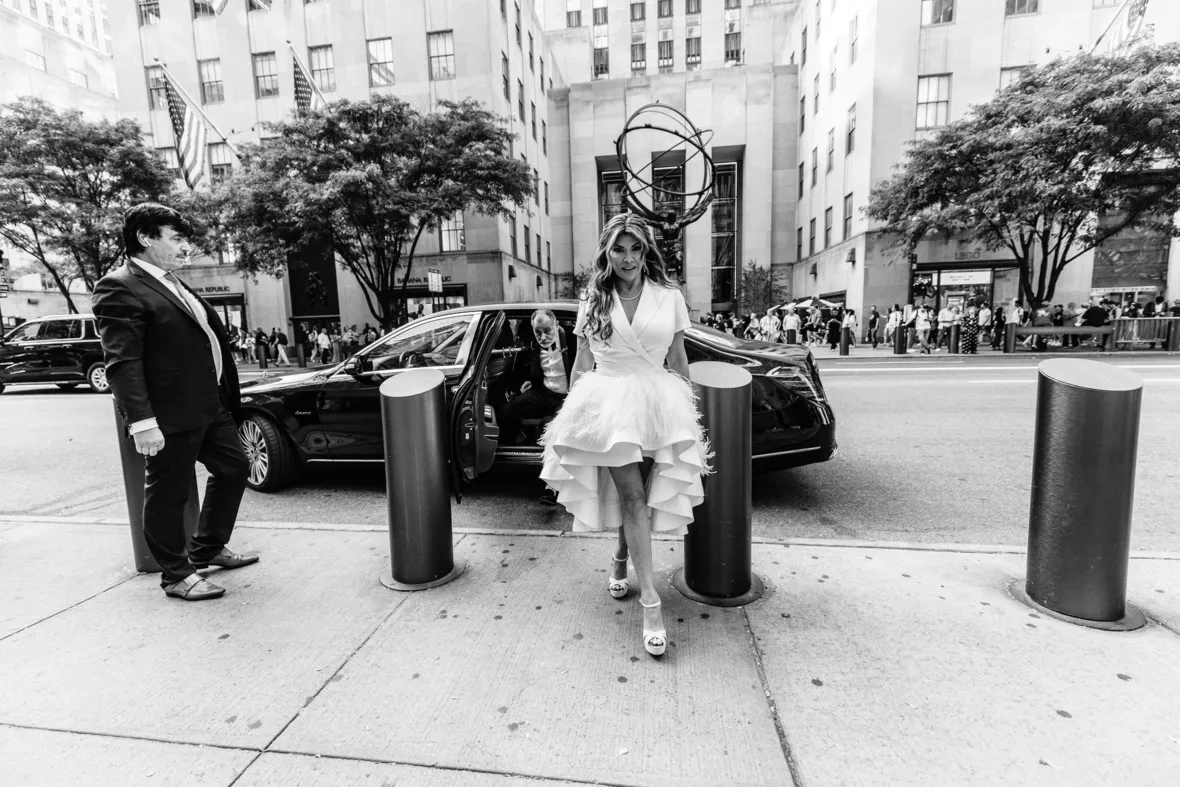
(626, 451)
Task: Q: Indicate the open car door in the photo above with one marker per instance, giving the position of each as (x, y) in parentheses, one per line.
(473, 430)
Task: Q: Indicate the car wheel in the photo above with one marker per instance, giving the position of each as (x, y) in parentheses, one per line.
(67, 386)
(272, 459)
(96, 378)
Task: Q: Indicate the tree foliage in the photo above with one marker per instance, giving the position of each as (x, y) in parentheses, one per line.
(1071, 154)
(364, 179)
(65, 183)
(762, 288)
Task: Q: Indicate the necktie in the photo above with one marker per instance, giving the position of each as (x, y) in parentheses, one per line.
(198, 312)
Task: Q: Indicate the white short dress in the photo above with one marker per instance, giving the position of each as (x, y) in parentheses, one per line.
(628, 408)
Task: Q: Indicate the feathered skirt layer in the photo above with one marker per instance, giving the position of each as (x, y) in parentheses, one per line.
(611, 419)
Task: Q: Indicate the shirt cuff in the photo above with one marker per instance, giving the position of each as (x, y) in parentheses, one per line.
(143, 426)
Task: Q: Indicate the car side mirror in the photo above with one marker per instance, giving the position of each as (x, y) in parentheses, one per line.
(355, 365)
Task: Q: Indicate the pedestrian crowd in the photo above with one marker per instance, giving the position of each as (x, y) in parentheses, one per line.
(812, 325)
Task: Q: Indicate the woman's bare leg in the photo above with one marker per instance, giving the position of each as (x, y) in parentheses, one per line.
(619, 570)
(637, 531)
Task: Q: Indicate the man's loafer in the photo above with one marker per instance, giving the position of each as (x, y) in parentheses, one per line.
(227, 559)
(194, 588)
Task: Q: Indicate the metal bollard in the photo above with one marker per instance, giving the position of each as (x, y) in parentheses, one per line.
(133, 475)
(717, 548)
(1079, 534)
(414, 420)
(262, 351)
(845, 340)
(792, 336)
(953, 342)
(899, 339)
(1173, 341)
(1010, 337)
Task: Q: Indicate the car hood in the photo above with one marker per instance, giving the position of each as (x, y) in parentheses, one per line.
(286, 382)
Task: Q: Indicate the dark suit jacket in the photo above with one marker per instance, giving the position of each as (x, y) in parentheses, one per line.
(536, 371)
(158, 359)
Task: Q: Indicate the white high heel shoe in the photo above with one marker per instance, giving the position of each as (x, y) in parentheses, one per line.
(618, 587)
(654, 642)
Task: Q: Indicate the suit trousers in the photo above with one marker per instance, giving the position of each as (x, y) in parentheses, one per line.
(537, 402)
(167, 475)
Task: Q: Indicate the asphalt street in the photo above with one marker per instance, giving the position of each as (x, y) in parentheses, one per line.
(932, 450)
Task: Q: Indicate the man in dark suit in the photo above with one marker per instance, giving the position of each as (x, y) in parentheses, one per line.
(171, 368)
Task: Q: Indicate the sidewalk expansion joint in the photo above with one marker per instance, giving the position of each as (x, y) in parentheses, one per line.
(784, 743)
(71, 606)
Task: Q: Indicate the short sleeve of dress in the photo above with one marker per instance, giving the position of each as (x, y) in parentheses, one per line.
(680, 321)
(580, 323)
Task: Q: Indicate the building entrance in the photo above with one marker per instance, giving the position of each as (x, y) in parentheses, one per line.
(942, 287)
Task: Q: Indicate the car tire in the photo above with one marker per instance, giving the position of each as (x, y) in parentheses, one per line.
(67, 386)
(272, 459)
(96, 378)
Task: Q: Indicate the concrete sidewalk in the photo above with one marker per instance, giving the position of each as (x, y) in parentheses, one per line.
(862, 665)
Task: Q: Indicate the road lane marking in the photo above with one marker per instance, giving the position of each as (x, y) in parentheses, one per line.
(971, 368)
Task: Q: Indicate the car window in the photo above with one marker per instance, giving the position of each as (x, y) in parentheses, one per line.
(25, 332)
(91, 330)
(430, 342)
(57, 330)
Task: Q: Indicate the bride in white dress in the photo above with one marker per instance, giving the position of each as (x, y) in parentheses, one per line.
(626, 449)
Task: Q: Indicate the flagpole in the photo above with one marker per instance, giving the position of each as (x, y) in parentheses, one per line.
(1118, 15)
(306, 73)
(197, 107)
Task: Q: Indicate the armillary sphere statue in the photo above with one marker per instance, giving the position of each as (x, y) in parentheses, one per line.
(657, 191)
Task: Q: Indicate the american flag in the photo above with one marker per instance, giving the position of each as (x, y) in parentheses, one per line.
(307, 95)
(191, 136)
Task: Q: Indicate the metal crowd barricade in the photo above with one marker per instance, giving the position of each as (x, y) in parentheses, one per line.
(1129, 332)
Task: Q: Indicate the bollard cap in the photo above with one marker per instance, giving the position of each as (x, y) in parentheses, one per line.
(412, 382)
(1094, 375)
(714, 374)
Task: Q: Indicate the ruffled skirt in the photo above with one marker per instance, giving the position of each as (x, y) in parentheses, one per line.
(611, 419)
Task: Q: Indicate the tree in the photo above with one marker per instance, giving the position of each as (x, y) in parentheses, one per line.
(572, 284)
(762, 288)
(65, 183)
(365, 179)
(1071, 154)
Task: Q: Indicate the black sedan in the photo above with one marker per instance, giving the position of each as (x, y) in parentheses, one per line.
(333, 414)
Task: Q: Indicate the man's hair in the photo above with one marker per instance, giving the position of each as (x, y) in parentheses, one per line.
(543, 314)
(149, 218)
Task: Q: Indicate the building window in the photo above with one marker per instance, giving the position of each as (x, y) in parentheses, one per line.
(79, 79)
(802, 178)
(1018, 7)
(1010, 75)
(938, 12)
(733, 47)
(827, 228)
(666, 53)
(638, 12)
(831, 149)
(546, 198)
(544, 138)
(548, 256)
(203, 8)
(832, 80)
(220, 164)
(692, 6)
(266, 77)
(171, 161)
(853, 38)
(638, 58)
(451, 236)
(601, 63)
(441, 46)
(600, 16)
(802, 114)
(531, 54)
(541, 62)
(520, 100)
(538, 250)
(664, 9)
(157, 95)
(323, 67)
(803, 54)
(149, 12)
(847, 216)
(504, 8)
(934, 100)
(725, 233)
(692, 52)
(258, 5)
(815, 92)
(611, 194)
(37, 61)
(528, 243)
(814, 166)
(512, 235)
(212, 88)
(533, 107)
(380, 62)
(811, 238)
(504, 67)
(573, 18)
(536, 187)
(733, 3)
(850, 137)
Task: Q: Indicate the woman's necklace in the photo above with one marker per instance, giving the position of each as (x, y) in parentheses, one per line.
(633, 297)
